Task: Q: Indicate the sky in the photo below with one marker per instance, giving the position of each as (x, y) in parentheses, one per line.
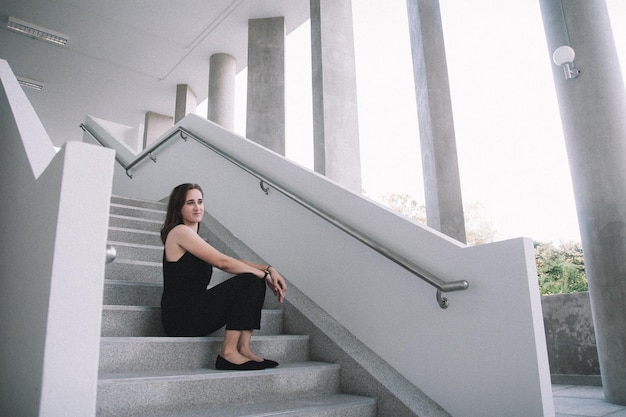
(510, 146)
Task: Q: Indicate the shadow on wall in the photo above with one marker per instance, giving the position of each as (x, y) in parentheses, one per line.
(570, 338)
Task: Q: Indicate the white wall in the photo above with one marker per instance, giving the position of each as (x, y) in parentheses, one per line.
(53, 227)
(483, 356)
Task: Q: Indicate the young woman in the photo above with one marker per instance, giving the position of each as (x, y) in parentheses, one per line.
(189, 308)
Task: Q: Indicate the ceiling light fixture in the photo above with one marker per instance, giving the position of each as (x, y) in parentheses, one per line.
(25, 82)
(37, 32)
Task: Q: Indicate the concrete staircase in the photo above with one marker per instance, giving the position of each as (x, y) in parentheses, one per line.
(144, 373)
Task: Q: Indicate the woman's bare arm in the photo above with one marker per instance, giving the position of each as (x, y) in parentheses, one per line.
(183, 239)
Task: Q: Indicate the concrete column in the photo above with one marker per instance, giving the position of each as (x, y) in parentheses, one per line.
(593, 109)
(265, 118)
(155, 125)
(442, 184)
(221, 104)
(186, 102)
(335, 110)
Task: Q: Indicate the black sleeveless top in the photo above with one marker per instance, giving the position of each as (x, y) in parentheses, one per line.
(184, 280)
(184, 295)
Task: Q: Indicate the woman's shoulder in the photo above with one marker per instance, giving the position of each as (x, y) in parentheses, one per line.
(181, 230)
(182, 235)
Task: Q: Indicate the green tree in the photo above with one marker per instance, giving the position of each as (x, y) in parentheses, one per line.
(561, 269)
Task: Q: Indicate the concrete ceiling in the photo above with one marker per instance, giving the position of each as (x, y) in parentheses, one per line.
(125, 57)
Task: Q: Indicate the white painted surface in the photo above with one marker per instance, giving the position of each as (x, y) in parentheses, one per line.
(53, 226)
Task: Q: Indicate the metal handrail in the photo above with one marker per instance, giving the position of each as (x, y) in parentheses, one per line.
(136, 161)
(441, 285)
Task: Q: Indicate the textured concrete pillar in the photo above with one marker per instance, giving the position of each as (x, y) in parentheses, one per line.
(221, 103)
(186, 102)
(265, 117)
(155, 125)
(335, 111)
(593, 109)
(442, 184)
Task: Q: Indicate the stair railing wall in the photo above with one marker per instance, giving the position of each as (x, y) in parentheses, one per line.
(463, 357)
(53, 227)
(265, 185)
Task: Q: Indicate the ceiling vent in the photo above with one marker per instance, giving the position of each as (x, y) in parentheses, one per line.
(25, 82)
(37, 32)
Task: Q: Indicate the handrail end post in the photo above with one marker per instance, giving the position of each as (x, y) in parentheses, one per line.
(111, 253)
(447, 287)
(455, 286)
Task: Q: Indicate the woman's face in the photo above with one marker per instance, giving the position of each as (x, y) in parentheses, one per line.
(193, 207)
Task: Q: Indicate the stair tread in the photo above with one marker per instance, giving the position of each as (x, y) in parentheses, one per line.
(136, 202)
(153, 308)
(134, 245)
(105, 378)
(144, 209)
(295, 406)
(133, 283)
(139, 219)
(168, 339)
(135, 262)
(138, 231)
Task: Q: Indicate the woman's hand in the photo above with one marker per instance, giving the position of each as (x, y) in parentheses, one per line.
(277, 284)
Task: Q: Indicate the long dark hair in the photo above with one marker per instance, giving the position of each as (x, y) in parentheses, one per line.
(177, 199)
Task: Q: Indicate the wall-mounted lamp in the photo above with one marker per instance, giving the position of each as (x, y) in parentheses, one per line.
(563, 56)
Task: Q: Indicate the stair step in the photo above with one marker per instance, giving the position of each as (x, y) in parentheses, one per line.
(128, 222)
(135, 271)
(130, 394)
(128, 293)
(129, 321)
(145, 237)
(138, 252)
(148, 292)
(141, 212)
(118, 354)
(129, 201)
(335, 405)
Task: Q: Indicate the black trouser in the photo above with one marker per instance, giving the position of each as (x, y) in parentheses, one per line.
(236, 303)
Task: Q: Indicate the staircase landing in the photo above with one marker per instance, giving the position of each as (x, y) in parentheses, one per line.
(587, 401)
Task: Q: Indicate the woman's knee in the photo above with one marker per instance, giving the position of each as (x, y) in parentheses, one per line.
(250, 280)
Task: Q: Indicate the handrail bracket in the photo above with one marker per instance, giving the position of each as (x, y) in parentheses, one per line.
(443, 301)
(264, 187)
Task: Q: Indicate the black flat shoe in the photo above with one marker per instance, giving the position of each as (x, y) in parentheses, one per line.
(269, 363)
(222, 364)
